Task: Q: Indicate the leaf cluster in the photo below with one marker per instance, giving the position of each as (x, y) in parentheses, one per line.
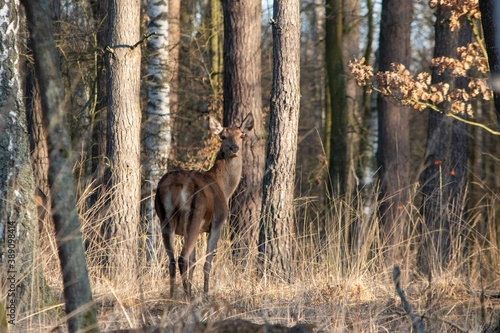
(457, 9)
(418, 92)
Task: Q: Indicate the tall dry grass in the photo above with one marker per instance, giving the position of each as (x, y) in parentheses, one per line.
(341, 282)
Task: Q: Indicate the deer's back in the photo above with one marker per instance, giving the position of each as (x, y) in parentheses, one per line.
(185, 194)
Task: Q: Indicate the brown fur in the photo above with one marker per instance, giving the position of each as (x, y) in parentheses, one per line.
(191, 202)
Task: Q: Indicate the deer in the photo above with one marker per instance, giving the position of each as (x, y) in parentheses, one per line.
(190, 202)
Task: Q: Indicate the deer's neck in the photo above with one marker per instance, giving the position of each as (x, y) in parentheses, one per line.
(227, 173)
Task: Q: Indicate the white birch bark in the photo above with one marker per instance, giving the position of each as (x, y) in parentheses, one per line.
(157, 135)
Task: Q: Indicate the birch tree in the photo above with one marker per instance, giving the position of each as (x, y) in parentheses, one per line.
(157, 129)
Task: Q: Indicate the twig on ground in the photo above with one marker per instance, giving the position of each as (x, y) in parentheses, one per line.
(417, 322)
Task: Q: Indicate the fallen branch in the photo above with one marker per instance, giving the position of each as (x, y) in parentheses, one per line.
(417, 322)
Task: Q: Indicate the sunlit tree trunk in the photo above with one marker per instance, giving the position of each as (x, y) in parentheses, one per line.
(174, 37)
(216, 46)
(122, 179)
(242, 95)
(393, 153)
(277, 216)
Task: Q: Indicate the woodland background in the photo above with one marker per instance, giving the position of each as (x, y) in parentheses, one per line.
(401, 170)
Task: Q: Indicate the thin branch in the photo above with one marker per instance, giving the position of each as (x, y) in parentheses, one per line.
(473, 123)
(144, 38)
(452, 115)
(417, 322)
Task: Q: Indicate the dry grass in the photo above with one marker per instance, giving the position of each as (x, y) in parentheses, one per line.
(342, 283)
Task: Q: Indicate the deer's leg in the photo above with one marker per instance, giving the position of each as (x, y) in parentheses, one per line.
(192, 260)
(168, 241)
(213, 238)
(187, 254)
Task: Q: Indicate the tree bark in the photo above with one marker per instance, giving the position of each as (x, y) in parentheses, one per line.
(242, 95)
(216, 35)
(350, 48)
(277, 216)
(174, 38)
(337, 93)
(490, 19)
(77, 293)
(122, 178)
(444, 178)
(393, 153)
(19, 233)
(99, 116)
(157, 126)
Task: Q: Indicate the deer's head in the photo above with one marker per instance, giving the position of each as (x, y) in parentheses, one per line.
(232, 137)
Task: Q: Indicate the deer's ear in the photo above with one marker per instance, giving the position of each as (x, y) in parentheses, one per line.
(215, 126)
(247, 124)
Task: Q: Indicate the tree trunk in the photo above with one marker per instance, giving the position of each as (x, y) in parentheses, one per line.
(445, 176)
(393, 154)
(98, 117)
(337, 94)
(242, 95)
(174, 38)
(216, 46)
(157, 127)
(490, 19)
(123, 137)
(350, 48)
(19, 248)
(77, 294)
(277, 216)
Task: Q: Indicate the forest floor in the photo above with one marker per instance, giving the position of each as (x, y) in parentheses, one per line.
(320, 294)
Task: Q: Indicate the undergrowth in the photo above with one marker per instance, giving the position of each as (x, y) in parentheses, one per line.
(341, 282)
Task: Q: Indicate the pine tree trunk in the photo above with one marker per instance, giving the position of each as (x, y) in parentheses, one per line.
(123, 136)
(277, 216)
(393, 153)
(242, 95)
(337, 94)
(174, 38)
(445, 176)
(490, 19)
(350, 47)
